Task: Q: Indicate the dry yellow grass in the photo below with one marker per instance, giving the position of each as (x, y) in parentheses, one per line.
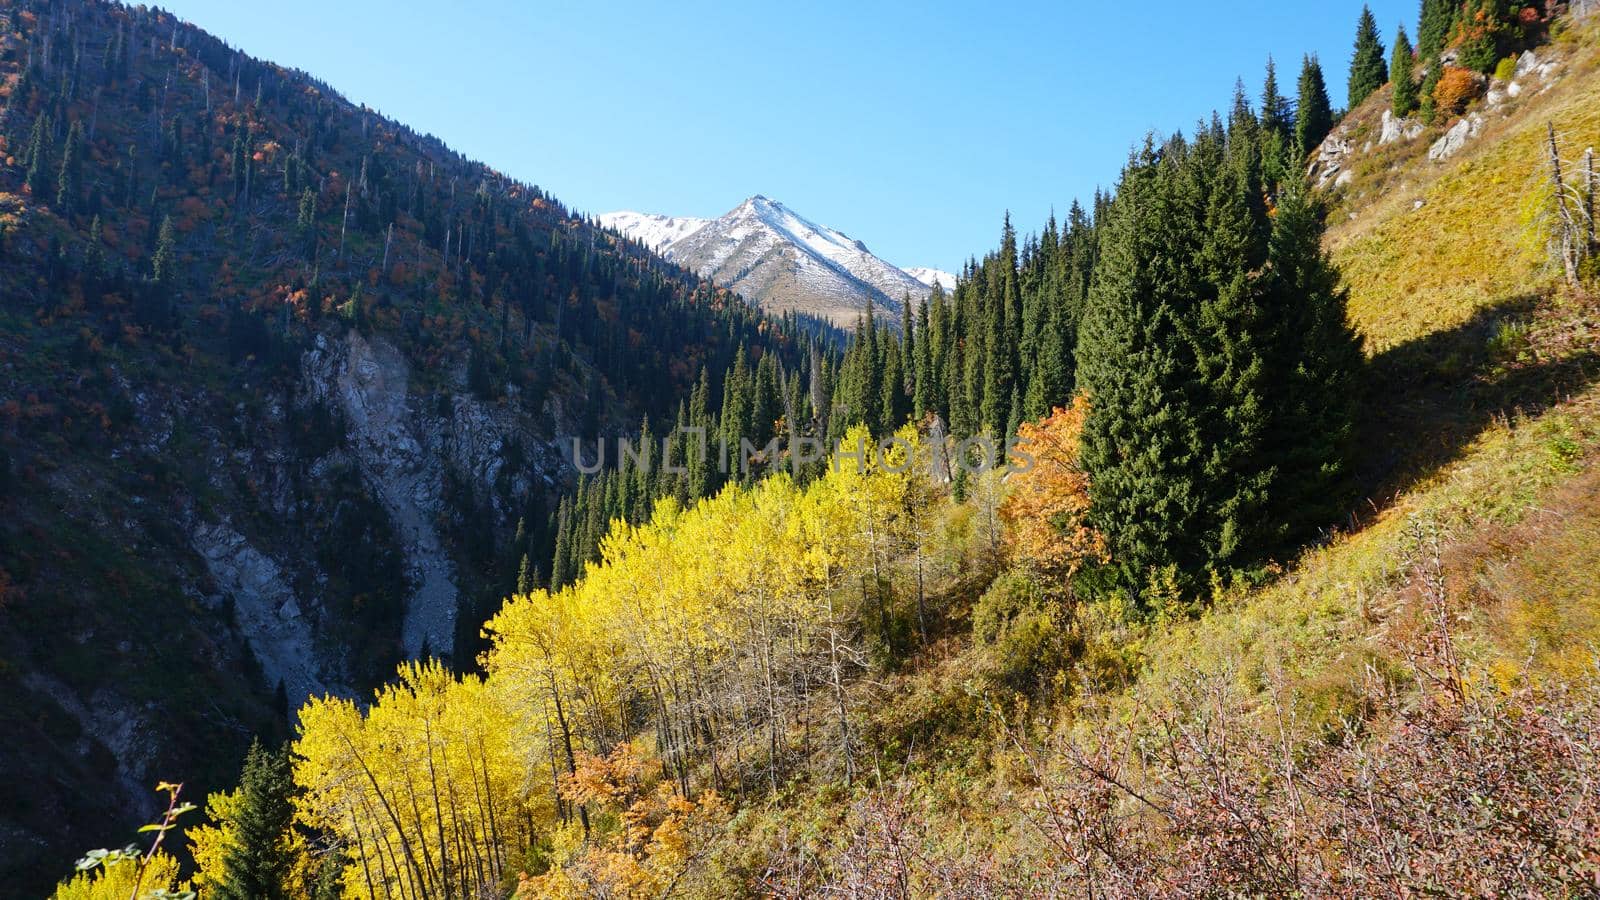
(1414, 271)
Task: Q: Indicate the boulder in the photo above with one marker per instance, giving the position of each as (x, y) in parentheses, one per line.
(1456, 138)
(1527, 63)
(1330, 157)
(1395, 128)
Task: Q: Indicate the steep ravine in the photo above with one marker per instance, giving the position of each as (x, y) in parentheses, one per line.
(284, 560)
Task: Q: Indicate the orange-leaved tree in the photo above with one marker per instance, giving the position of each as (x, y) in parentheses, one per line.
(1047, 505)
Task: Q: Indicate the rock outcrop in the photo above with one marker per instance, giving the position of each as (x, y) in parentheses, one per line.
(1457, 137)
(266, 611)
(1395, 128)
(397, 449)
(1331, 158)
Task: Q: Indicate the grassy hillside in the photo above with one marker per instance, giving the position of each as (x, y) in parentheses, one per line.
(1426, 246)
(1478, 546)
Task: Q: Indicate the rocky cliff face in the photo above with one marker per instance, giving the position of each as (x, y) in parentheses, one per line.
(311, 534)
(398, 450)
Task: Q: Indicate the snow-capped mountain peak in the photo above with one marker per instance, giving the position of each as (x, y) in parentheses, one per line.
(781, 260)
(931, 277)
(654, 231)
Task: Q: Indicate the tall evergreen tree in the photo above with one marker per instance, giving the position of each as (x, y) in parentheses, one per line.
(258, 860)
(164, 262)
(1277, 117)
(1214, 335)
(1314, 366)
(699, 449)
(894, 406)
(1368, 70)
(1142, 444)
(1002, 325)
(1051, 380)
(922, 367)
(69, 180)
(1403, 74)
(736, 396)
(38, 155)
(1313, 113)
(1228, 344)
(1433, 29)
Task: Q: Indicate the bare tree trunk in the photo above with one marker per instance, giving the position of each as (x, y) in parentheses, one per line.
(344, 221)
(1566, 226)
(1591, 186)
(572, 759)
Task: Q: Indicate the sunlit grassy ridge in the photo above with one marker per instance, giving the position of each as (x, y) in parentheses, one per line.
(1413, 271)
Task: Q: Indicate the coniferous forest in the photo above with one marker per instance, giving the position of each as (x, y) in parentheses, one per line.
(373, 524)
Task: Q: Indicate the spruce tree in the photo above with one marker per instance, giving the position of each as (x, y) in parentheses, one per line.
(258, 860)
(1403, 73)
(1051, 379)
(1142, 444)
(1433, 29)
(736, 394)
(1314, 368)
(1219, 365)
(1277, 117)
(561, 558)
(38, 155)
(527, 576)
(164, 262)
(766, 402)
(94, 252)
(1313, 113)
(1428, 106)
(1368, 71)
(893, 406)
(1228, 344)
(699, 448)
(936, 341)
(70, 178)
(922, 370)
(962, 422)
(999, 344)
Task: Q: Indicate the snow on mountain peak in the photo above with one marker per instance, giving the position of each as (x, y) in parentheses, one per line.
(654, 231)
(931, 277)
(780, 260)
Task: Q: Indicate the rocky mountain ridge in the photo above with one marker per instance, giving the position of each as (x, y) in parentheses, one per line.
(781, 261)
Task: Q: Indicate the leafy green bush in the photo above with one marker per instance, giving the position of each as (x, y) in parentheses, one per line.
(1025, 634)
(1506, 69)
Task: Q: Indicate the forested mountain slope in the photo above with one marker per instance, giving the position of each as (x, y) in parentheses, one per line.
(286, 391)
(1287, 589)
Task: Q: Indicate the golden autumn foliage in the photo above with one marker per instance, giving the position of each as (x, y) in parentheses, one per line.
(119, 882)
(1047, 505)
(722, 627)
(427, 789)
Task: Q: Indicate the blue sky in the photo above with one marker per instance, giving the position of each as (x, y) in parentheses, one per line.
(912, 128)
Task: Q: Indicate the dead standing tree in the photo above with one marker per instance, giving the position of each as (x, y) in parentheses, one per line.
(1571, 212)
